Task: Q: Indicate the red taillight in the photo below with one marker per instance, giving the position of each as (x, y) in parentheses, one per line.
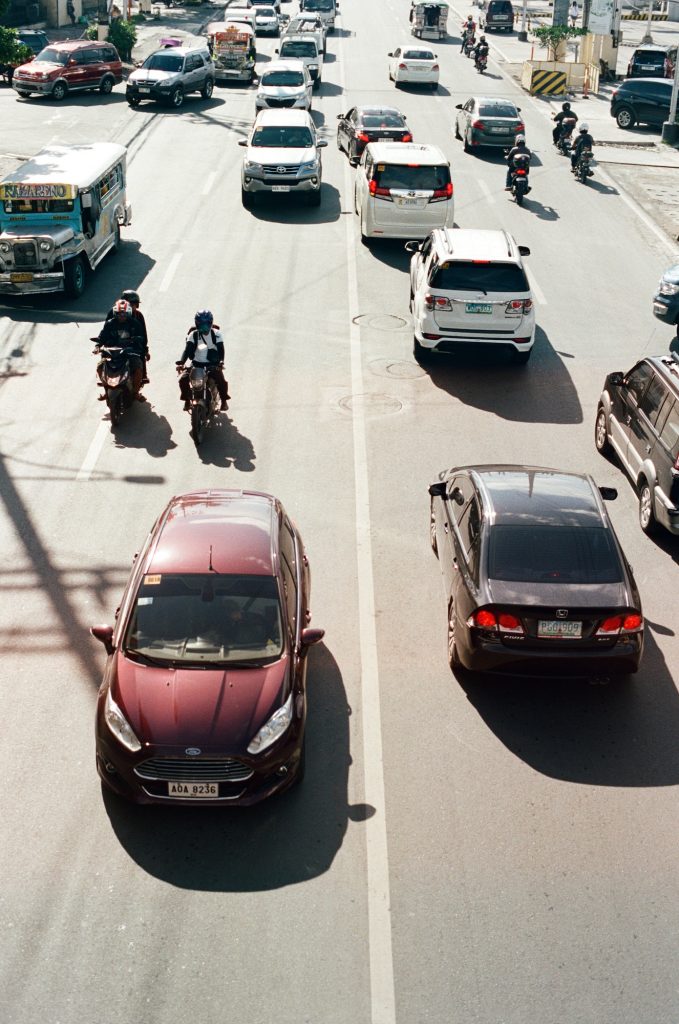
(479, 125)
(412, 165)
(443, 193)
(435, 67)
(611, 625)
(436, 302)
(403, 67)
(521, 174)
(375, 190)
(407, 138)
(676, 463)
(632, 622)
(517, 306)
(527, 305)
(520, 128)
(485, 619)
(510, 623)
(621, 623)
(362, 137)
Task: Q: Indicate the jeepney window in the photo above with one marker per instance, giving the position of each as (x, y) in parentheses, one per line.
(38, 205)
(110, 185)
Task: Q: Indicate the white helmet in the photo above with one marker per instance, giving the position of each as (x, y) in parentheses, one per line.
(520, 138)
(584, 127)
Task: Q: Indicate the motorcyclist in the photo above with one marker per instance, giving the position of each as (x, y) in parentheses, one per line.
(133, 298)
(123, 330)
(468, 31)
(205, 344)
(583, 141)
(564, 114)
(480, 51)
(519, 149)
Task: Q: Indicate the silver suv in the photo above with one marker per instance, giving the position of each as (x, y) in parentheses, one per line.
(169, 74)
(282, 156)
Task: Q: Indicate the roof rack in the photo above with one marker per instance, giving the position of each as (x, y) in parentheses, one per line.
(509, 242)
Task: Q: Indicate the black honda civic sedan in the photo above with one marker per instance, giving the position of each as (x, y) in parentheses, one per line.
(536, 582)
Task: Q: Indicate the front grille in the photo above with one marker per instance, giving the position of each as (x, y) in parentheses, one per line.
(223, 769)
(280, 168)
(25, 254)
(279, 103)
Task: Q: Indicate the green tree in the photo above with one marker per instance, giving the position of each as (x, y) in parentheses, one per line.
(123, 35)
(12, 52)
(554, 38)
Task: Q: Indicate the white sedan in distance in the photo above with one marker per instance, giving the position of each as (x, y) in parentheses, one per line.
(415, 64)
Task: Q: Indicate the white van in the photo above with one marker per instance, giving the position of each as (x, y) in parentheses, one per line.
(403, 190)
(326, 10)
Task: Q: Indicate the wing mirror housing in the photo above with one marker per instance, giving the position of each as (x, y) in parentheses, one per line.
(322, 144)
(390, 55)
(309, 637)
(412, 246)
(608, 493)
(105, 636)
(615, 379)
(458, 106)
(524, 250)
(438, 490)
(242, 142)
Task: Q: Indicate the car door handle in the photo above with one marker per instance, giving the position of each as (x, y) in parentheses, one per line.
(445, 527)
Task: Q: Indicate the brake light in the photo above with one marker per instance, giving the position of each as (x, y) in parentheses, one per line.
(443, 193)
(520, 174)
(403, 67)
(407, 137)
(412, 165)
(509, 623)
(375, 190)
(515, 307)
(611, 625)
(437, 302)
(435, 67)
(480, 261)
(676, 464)
(479, 125)
(631, 623)
(362, 137)
(520, 127)
(484, 619)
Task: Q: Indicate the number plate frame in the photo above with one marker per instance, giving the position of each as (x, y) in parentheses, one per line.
(280, 188)
(193, 790)
(20, 277)
(563, 633)
(484, 308)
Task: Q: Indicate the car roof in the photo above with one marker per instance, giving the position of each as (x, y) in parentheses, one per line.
(71, 45)
(407, 152)
(491, 244)
(416, 46)
(495, 99)
(534, 495)
(230, 530)
(285, 116)
(283, 65)
(302, 37)
(633, 82)
(668, 368)
(379, 110)
(182, 50)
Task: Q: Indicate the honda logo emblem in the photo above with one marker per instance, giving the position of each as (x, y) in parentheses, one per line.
(562, 613)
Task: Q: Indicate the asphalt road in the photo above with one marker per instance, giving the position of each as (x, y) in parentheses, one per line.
(491, 853)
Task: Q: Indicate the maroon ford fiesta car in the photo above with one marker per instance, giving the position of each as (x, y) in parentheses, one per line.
(203, 698)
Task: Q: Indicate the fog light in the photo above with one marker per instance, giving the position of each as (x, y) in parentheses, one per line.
(283, 770)
(248, 180)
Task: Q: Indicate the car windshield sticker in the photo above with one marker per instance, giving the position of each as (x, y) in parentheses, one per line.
(380, 167)
(145, 600)
(152, 581)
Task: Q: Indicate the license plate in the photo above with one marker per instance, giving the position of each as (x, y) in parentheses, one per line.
(409, 202)
(193, 790)
(280, 188)
(20, 278)
(500, 131)
(478, 307)
(559, 629)
(144, 88)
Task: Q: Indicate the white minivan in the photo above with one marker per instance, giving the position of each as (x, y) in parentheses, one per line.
(403, 190)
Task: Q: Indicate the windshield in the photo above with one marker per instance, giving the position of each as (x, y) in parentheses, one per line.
(206, 618)
(282, 138)
(544, 554)
(283, 78)
(266, 12)
(38, 205)
(498, 110)
(163, 62)
(299, 49)
(411, 177)
(53, 55)
(484, 277)
(319, 5)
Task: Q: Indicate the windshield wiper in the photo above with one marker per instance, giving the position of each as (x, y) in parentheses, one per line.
(149, 660)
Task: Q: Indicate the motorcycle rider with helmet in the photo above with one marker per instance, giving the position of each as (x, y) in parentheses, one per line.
(480, 51)
(205, 344)
(564, 114)
(519, 149)
(468, 31)
(584, 141)
(123, 330)
(133, 298)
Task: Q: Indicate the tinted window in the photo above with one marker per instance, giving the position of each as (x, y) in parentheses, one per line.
(299, 49)
(319, 5)
(552, 554)
(637, 379)
(497, 110)
(639, 89)
(670, 431)
(500, 7)
(197, 618)
(283, 78)
(108, 53)
(470, 527)
(656, 59)
(418, 54)
(284, 138)
(164, 62)
(382, 121)
(653, 398)
(53, 55)
(485, 277)
(402, 176)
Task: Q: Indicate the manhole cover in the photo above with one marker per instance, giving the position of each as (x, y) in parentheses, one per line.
(397, 368)
(385, 322)
(372, 405)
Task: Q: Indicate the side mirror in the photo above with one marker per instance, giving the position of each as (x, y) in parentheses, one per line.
(608, 493)
(72, 61)
(310, 636)
(277, 50)
(390, 55)
(615, 379)
(524, 250)
(340, 117)
(105, 635)
(242, 142)
(322, 144)
(458, 106)
(412, 246)
(519, 109)
(438, 490)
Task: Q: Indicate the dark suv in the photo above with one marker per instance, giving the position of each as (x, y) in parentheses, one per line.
(666, 298)
(499, 16)
(649, 62)
(642, 100)
(638, 419)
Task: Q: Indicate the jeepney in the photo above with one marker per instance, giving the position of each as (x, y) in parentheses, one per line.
(429, 20)
(233, 51)
(60, 213)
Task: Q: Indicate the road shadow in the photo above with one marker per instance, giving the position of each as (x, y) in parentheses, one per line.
(540, 211)
(540, 392)
(389, 251)
(225, 447)
(146, 430)
(326, 89)
(621, 734)
(294, 209)
(78, 99)
(284, 841)
(598, 186)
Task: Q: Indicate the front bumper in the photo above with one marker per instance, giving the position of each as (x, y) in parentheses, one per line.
(666, 308)
(49, 281)
(22, 85)
(312, 183)
(149, 92)
(264, 103)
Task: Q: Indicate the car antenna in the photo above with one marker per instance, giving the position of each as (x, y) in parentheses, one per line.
(211, 567)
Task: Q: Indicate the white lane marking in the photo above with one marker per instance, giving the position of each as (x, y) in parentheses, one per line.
(170, 272)
(382, 994)
(90, 460)
(486, 191)
(535, 287)
(209, 182)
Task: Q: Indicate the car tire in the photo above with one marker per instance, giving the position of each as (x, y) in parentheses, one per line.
(453, 655)
(247, 199)
(22, 92)
(106, 85)
(457, 131)
(601, 442)
(74, 277)
(353, 158)
(422, 355)
(177, 97)
(116, 238)
(59, 91)
(465, 144)
(133, 102)
(521, 358)
(625, 118)
(208, 89)
(647, 520)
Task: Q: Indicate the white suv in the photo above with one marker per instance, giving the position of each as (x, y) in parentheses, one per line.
(282, 156)
(468, 285)
(284, 83)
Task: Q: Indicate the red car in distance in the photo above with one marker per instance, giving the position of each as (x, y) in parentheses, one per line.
(204, 693)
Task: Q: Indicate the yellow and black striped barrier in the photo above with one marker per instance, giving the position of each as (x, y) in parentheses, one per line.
(643, 16)
(550, 83)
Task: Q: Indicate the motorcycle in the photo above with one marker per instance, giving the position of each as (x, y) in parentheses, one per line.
(205, 402)
(519, 182)
(481, 63)
(115, 378)
(564, 141)
(583, 169)
(469, 45)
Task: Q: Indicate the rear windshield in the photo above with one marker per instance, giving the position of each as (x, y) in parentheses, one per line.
(299, 49)
(381, 121)
(426, 178)
(552, 554)
(267, 12)
(282, 137)
(500, 7)
(283, 78)
(418, 54)
(485, 277)
(53, 55)
(497, 110)
(163, 62)
(655, 59)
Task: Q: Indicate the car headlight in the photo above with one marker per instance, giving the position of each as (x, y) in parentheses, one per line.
(309, 165)
(5, 247)
(273, 729)
(667, 288)
(45, 246)
(251, 165)
(119, 725)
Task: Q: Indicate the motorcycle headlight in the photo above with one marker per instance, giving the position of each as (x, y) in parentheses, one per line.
(252, 165)
(273, 729)
(119, 725)
(667, 288)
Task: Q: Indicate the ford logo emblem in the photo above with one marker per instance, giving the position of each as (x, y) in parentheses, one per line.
(193, 751)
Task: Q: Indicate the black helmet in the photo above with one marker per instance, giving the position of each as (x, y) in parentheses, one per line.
(131, 296)
(565, 106)
(482, 39)
(203, 319)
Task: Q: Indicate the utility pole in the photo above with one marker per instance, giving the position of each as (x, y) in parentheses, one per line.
(670, 129)
(647, 39)
(523, 34)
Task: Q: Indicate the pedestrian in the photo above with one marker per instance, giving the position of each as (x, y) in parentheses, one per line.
(574, 13)
(70, 10)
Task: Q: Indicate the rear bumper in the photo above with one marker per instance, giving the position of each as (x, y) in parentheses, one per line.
(494, 657)
(666, 308)
(431, 336)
